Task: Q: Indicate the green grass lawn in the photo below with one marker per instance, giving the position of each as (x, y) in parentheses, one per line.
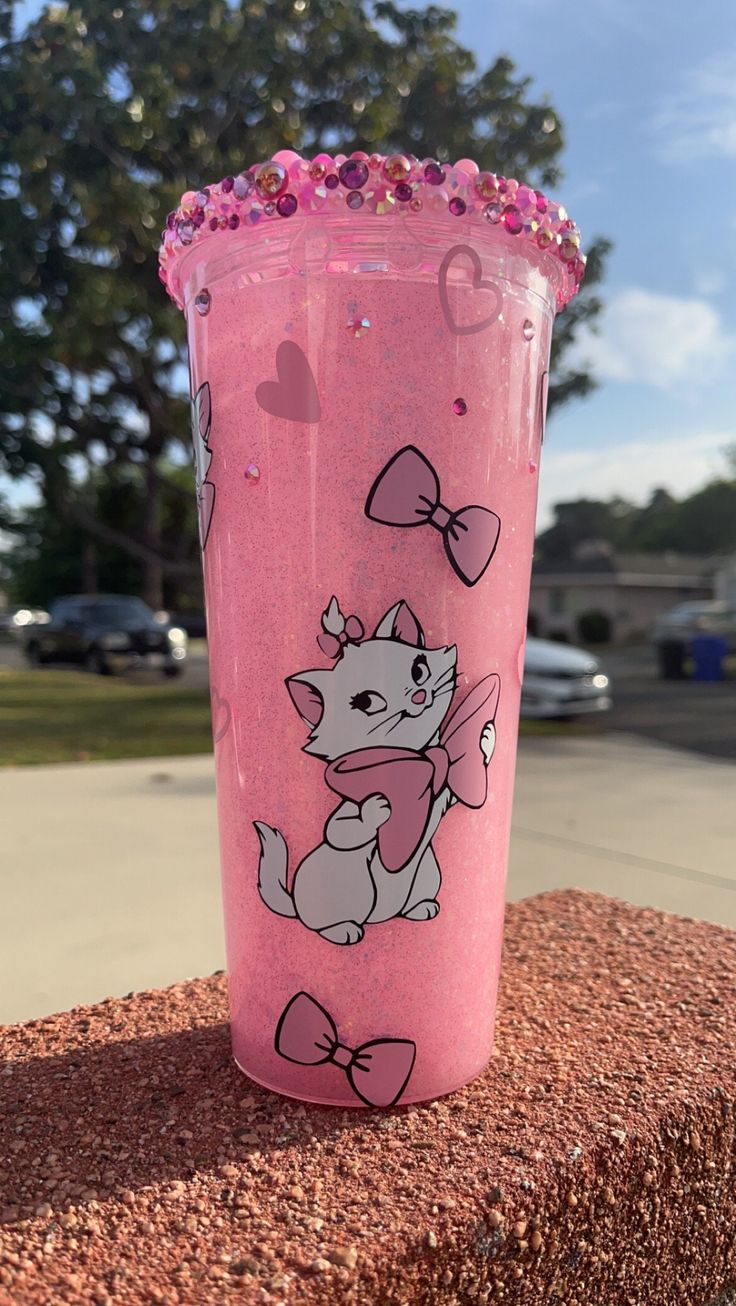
(68, 716)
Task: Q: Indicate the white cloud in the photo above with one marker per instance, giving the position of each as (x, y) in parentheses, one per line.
(698, 120)
(657, 339)
(679, 463)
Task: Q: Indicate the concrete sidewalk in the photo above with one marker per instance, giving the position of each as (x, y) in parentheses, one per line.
(110, 870)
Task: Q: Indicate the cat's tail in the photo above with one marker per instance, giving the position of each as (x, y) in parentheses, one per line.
(273, 868)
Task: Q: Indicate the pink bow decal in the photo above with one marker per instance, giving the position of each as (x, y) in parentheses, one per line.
(352, 633)
(407, 493)
(378, 1071)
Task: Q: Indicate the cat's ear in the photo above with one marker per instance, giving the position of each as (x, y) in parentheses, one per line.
(306, 697)
(401, 624)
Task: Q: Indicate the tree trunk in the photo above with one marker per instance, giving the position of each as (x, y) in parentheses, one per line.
(90, 580)
(153, 576)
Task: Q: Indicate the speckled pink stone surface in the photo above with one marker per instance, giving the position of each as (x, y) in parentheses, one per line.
(591, 1165)
(282, 542)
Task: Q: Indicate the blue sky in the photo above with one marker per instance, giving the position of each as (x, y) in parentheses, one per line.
(647, 92)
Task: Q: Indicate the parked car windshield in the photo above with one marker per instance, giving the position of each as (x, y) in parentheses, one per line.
(117, 610)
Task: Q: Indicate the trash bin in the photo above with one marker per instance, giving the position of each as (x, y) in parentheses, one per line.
(708, 652)
(671, 656)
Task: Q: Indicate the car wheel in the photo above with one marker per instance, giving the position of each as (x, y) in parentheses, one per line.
(96, 662)
(34, 656)
(172, 672)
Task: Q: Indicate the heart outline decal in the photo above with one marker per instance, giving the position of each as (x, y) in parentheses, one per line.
(221, 715)
(294, 395)
(471, 328)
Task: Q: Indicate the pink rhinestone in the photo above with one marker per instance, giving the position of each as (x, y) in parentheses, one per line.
(512, 219)
(317, 171)
(286, 205)
(171, 220)
(375, 162)
(214, 224)
(354, 199)
(227, 184)
(403, 192)
(332, 181)
(492, 213)
(186, 232)
(433, 173)
(460, 407)
(541, 203)
(415, 204)
(269, 208)
(457, 206)
(353, 174)
(202, 197)
(198, 217)
(486, 185)
(252, 474)
(233, 221)
(532, 466)
(545, 237)
(526, 198)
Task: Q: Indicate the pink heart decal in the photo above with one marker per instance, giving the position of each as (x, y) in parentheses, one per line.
(469, 328)
(221, 715)
(205, 509)
(294, 396)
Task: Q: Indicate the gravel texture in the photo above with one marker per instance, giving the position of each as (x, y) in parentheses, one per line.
(590, 1165)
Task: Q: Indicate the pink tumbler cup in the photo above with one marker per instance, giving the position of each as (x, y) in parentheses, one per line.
(369, 342)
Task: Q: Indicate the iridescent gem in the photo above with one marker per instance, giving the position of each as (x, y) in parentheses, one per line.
(269, 208)
(243, 185)
(385, 202)
(415, 204)
(512, 219)
(486, 184)
(526, 198)
(532, 466)
(460, 407)
(354, 199)
(528, 329)
(202, 197)
(227, 184)
(233, 221)
(222, 222)
(503, 185)
(186, 232)
(188, 200)
(358, 326)
(492, 213)
(374, 162)
(203, 302)
(457, 206)
(286, 205)
(397, 168)
(542, 204)
(403, 192)
(569, 246)
(252, 474)
(545, 237)
(271, 179)
(353, 174)
(433, 173)
(317, 170)
(332, 181)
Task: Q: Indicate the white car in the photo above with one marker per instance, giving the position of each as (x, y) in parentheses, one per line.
(562, 681)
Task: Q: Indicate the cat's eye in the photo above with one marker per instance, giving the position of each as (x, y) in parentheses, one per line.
(369, 701)
(420, 670)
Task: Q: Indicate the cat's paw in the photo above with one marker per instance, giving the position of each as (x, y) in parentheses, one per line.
(375, 811)
(422, 911)
(488, 741)
(344, 933)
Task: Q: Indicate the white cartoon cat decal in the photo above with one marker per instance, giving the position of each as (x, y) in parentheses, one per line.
(201, 414)
(397, 759)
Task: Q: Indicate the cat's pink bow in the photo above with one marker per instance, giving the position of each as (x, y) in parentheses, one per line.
(352, 633)
(407, 493)
(411, 780)
(378, 1071)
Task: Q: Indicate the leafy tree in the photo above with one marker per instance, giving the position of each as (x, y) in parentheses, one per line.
(109, 109)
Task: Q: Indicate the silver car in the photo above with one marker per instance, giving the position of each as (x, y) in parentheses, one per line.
(562, 681)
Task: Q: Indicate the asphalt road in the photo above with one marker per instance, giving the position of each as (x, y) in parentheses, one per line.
(683, 714)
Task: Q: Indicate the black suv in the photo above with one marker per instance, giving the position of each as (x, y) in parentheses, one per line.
(106, 632)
